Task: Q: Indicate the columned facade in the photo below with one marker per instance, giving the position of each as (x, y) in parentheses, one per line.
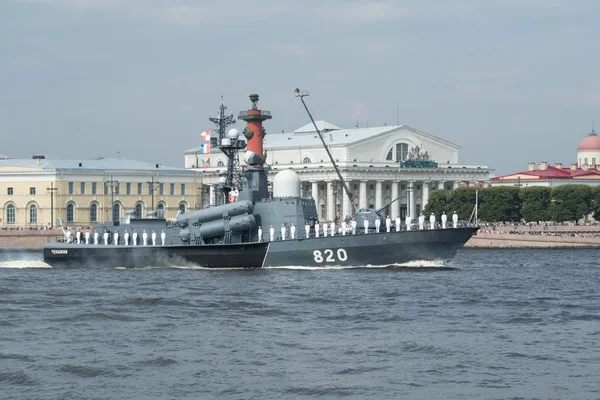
(372, 162)
(386, 182)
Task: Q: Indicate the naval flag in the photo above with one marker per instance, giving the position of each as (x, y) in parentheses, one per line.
(204, 161)
(205, 135)
(205, 148)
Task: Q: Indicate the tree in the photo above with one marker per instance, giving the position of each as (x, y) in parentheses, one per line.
(570, 202)
(461, 200)
(437, 203)
(536, 203)
(595, 202)
(499, 204)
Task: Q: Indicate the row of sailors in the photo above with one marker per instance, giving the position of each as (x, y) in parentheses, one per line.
(350, 227)
(115, 238)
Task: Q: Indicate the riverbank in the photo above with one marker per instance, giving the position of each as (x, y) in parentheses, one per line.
(517, 241)
(533, 237)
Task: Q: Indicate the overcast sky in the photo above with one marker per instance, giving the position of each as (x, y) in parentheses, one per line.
(510, 81)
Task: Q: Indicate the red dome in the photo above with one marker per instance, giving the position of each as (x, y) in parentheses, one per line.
(590, 143)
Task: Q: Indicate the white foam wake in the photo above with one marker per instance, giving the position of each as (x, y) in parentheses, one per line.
(410, 264)
(21, 264)
(423, 264)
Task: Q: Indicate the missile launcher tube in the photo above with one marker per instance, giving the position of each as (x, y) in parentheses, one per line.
(215, 213)
(217, 227)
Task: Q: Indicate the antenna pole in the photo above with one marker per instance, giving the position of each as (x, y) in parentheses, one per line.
(339, 174)
(476, 204)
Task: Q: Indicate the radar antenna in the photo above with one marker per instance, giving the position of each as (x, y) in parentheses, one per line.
(229, 144)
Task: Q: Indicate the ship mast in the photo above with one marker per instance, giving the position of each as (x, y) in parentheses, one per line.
(301, 94)
(229, 146)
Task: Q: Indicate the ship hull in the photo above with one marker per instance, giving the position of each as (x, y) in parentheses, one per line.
(350, 251)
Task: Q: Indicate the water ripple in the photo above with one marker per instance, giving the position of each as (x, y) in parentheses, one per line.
(496, 325)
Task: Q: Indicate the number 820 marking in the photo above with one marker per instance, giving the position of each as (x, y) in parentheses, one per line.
(328, 255)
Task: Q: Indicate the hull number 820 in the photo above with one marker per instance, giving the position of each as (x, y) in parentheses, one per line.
(329, 255)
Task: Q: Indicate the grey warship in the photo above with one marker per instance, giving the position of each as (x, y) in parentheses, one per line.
(254, 229)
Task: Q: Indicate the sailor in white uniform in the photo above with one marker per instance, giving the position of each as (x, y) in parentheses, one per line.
(105, 237)
(145, 237)
(307, 230)
(397, 224)
(68, 235)
(432, 221)
(317, 229)
(388, 224)
(135, 237)
(78, 236)
(95, 237)
(87, 237)
(293, 231)
(421, 222)
(283, 231)
(408, 222)
(332, 227)
(126, 238)
(377, 224)
(153, 238)
(454, 220)
(324, 229)
(272, 233)
(163, 237)
(353, 226)
(116, 237)
(344, 228)
(260, 238)
(444, 220)
(366, 223)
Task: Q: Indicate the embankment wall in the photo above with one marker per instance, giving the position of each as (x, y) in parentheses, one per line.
(26, 239)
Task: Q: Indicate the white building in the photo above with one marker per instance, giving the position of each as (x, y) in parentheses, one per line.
(586, 171)
(369, 161)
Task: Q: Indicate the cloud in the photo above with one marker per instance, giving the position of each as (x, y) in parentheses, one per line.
(182, 12)
(363, 12)
(80, 5)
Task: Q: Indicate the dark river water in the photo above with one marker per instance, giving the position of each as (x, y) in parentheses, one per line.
(500, 324)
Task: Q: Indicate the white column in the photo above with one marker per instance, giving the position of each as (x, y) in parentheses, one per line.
(315, 195)
(455, 185)
(330, 203)
(346, 205)
(411, 200)
(425, 194)
(363, 195)
(396, 204)
(378, 195)
(211, 195)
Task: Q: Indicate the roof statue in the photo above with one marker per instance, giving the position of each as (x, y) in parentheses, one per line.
(418, 159)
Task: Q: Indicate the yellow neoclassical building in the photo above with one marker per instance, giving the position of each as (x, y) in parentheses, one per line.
(34, 192)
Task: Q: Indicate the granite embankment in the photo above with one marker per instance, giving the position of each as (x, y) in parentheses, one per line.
(501, 237)
(550, 236)
(26, 239)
